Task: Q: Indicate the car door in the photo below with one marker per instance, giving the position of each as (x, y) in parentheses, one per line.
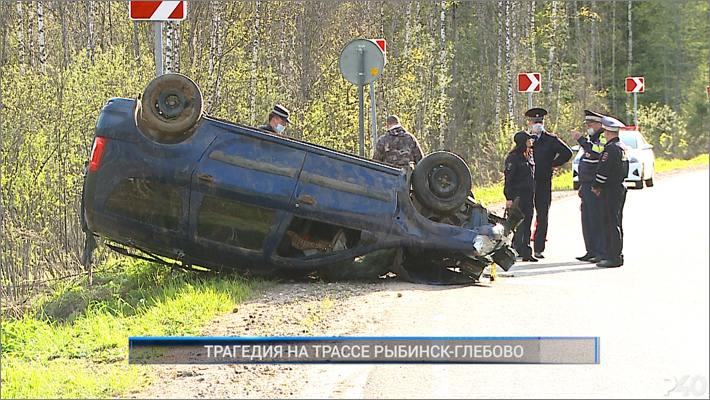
(241, 189)
(346, 191)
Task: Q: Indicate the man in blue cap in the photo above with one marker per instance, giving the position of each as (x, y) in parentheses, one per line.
(592, 146)
(609, 186)
(549, 152)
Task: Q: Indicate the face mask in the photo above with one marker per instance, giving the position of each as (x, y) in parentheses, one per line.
(537, 128)
(590, 131)
(280, 128)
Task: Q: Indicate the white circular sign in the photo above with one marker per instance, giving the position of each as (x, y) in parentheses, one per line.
(361, 51)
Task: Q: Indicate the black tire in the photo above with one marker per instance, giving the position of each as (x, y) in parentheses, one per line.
(575, 185)
(639, 185)
(171, 106)
(649, 182)
(441, 182)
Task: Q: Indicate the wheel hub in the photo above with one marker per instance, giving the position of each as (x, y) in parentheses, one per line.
(170, 103)
(443, 182)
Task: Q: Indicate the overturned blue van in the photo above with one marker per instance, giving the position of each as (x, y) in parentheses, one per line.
(165, 180)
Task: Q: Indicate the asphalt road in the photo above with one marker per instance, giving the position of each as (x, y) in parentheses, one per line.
(651, 314)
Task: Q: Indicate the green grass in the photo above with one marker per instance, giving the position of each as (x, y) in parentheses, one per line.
(563, 180)
(75, 344)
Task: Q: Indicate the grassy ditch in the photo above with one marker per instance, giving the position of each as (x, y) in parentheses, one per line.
(75, 343)
(563, 181)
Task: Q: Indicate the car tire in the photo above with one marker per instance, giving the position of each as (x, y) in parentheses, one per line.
(170, 107)
(639, 185)
(575, 185)
(649, 182)
(441, 182)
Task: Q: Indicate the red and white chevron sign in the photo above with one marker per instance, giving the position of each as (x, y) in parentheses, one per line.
(634, 84)
(157, 10)
(529, 82)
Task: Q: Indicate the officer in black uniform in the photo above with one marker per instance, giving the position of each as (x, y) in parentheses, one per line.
(591, 146)
(609, 186)
(520, 183)
(549, 152)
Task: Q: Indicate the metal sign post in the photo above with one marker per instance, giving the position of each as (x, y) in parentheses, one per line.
(636, 121)
(361, 62)
(374, 116)
(158, 47)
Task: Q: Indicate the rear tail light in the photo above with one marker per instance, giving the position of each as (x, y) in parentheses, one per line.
(97, 152)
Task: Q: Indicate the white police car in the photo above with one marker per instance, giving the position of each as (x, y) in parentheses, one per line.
(641, 158)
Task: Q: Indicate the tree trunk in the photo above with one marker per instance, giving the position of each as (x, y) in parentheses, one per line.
(532, 32)
(499, 61)
(551, 61)
(30, 39)
(90, 29)
(442, 78)
(408, 29)
(509, 80)
(254, 59)
(168, 47)
(613, 56)
(176, 46)
(40, 33)
(65, 36)
(20, 41)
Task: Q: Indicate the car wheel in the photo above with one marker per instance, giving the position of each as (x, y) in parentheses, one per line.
(441, 182)
(639, 185)
(171, 106)
(649, 182)
(575, 185)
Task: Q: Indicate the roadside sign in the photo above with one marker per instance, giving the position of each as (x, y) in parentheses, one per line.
(157, 10)
(529, 82)
(707, 90)
(634, 84)
(382, 44)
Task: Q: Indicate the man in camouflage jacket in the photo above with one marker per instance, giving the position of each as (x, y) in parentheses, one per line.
(397, 146)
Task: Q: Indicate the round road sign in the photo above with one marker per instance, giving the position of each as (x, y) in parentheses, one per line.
(361, 57)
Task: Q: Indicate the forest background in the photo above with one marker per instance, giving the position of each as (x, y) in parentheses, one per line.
(450, 75)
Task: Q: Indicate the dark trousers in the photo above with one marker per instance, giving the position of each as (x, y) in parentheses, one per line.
(612, 199)
(591, 221)
(521, 240)
(543, 196)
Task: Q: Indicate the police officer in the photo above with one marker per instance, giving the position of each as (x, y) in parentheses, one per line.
(397, 146)
(591, 146)
(609, 186)
(520, 183)
(278, 120)
(549, 152)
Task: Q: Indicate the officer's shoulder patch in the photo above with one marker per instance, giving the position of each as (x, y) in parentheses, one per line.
(508, 166)
(605, 156)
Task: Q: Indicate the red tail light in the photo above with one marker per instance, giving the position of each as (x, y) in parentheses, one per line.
(97, 152)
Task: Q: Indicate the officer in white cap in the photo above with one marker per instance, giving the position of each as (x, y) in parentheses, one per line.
(609, 186)
(591, 146)
(278, 120)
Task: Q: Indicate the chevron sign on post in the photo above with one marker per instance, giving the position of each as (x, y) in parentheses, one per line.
(529, 82)
(157, 10)
(634, 84)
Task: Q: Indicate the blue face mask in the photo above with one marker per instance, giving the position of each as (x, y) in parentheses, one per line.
(590, 131)
(280, 128)
(537, 128)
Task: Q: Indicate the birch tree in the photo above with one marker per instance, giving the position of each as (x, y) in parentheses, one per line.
(40, 33)
(442, 77)
(168, 47)
(551, 60)
(20, 41)
(254, 59)
(509, 81)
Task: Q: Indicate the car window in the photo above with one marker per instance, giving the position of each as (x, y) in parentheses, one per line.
(146, 201)
(233, 223)
(629, 140)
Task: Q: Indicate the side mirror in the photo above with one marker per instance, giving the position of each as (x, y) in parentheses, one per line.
(647, 146)
(575, 147)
